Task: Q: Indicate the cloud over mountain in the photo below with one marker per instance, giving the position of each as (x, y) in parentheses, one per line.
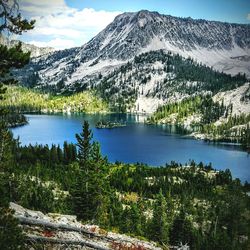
(55, 21)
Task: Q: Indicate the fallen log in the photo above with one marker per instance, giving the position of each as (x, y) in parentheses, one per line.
(57, 226)
(44, 240)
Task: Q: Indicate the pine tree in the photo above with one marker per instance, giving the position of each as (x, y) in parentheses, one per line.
(181, 230)
(88, 193)
(53, 155)
(96, 152)
(59, 154)
(136, 220)
(10, 21)
(159, 228)
(11, 236)
(84, 145)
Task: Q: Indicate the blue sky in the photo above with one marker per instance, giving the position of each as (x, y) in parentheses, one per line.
(68, 23)
(220, 10)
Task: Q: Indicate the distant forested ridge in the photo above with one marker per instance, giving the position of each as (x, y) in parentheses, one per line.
(202, 115)
(24, 100)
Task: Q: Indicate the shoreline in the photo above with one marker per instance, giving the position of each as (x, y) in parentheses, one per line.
(190, 134)
(16, 125)
(205, 137)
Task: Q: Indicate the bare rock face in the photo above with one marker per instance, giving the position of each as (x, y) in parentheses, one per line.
(239, 98)
(225, 46)
(56, 230)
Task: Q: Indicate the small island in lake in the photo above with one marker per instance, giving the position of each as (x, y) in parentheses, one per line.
(109, 124)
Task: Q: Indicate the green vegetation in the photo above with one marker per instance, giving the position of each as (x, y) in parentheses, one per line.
(191, 204)
(209, 110)
(232, 129)
(108, 124)
(21, 99)
(15, 119)
(11, 236)
(235, 129)
(196, 205)
(190, 70)
(172, 74)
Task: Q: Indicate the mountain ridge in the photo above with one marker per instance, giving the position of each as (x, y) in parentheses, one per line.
(223, 46)
(26, 47)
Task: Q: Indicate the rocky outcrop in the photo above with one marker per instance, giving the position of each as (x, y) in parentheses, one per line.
(54, 231)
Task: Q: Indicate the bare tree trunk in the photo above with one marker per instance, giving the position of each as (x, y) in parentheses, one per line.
(41, 239)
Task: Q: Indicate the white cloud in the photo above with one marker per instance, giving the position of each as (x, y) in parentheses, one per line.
(43, 7)
(52, 31)
(248, 16)
(54, 19)
(55, 43)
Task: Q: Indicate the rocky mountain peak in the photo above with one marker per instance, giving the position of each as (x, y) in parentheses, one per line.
(216, 44)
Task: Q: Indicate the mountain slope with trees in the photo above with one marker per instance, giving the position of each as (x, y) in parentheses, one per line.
(157, 77)
(207, 119)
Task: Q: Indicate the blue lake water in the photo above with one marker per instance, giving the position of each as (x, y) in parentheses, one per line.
(137, 142)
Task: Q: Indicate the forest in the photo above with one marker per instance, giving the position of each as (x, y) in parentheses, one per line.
(234, 128)
(171, 76)
(210, 111)
(24, 100)
(194, 203)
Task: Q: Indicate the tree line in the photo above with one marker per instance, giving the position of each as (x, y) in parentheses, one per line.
(192, 204)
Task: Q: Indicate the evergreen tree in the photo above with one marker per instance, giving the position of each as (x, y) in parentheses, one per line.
(136, 220)
(88, 193)
(181, 231)
(84, 145)
(159, 228)
(11, 236)
(10, 21)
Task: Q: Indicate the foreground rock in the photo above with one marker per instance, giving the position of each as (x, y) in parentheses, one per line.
(57, 231)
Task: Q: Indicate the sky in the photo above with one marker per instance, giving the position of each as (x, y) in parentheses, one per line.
(69, 23)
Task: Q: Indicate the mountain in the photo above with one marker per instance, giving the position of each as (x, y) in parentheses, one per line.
(157, 77)
(133, 33)
(35, 51)
(223, 46)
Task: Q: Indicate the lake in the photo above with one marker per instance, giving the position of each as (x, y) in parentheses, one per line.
(154, 145)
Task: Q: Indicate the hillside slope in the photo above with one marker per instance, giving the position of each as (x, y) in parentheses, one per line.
(239, 98)
(20, 99)
(154, 78)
